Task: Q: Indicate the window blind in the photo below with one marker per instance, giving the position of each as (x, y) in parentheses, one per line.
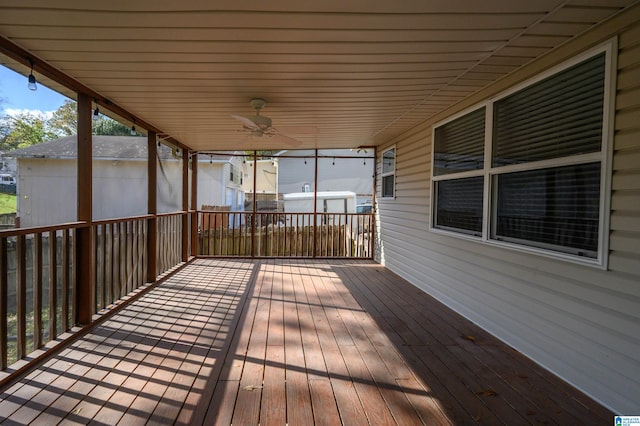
(557, 117)
(459, 204)
(459, 144)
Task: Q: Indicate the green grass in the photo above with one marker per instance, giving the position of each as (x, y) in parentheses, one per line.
(7, 203)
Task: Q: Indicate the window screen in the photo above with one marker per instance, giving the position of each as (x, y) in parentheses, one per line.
(556, 207)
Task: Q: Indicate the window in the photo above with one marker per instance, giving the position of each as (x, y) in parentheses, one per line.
(534, 178)
(234, 174)
(388, 173)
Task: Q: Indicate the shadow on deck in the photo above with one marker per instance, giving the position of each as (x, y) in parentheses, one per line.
(297, 342)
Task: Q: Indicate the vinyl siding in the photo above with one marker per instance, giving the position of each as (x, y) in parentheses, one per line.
(579, 321)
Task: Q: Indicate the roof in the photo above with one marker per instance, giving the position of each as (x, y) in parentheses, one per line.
(359, 72)
(319, 195)
(107, 147)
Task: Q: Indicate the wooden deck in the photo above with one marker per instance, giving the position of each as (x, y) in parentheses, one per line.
(296, 342)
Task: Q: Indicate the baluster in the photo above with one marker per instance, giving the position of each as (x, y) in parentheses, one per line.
(72, 281)
(4, 304)
(64, 264)
(37, 290)
(21, 296)
(53, 285)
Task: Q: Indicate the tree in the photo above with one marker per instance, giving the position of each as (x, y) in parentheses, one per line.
(23, 130)
(64, 121)
(108, 127)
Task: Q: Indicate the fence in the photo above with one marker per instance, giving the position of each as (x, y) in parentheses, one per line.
(285, 234)
(7, 220)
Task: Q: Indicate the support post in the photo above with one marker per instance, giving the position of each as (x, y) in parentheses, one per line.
(185, 205)
(254, 220)
(194, 204)
(85, 261)
(374, 207)
(315, 204)
(152, 209)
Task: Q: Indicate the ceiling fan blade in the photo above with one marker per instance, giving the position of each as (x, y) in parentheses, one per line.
(247, 122)
(298, 130)
(286, 140)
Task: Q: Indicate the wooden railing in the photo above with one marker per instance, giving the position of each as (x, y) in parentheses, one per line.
(38, 290)
(120, 251)
(285, 234)
(169, 252)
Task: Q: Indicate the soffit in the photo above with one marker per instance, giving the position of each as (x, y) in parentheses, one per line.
(360, 72)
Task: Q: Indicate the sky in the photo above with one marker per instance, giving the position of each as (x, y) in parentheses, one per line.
(16, 97)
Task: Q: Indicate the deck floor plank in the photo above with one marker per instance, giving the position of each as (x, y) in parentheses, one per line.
(348, 403)
(295, 341)
(299, 410)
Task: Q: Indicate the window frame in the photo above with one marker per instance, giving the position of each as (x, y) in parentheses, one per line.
(490, 172)
(391, 174)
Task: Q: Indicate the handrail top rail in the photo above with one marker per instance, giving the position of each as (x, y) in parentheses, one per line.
(280, 213)
(121, 219)
(13, 232)
(7, 233)
(176, 213)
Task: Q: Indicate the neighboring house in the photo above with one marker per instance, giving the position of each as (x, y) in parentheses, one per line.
(7, 164)
(221, 181)
(296, 172)
(46, 175)
(266, 184)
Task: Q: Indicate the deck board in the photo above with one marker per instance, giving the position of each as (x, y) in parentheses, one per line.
(273, 342)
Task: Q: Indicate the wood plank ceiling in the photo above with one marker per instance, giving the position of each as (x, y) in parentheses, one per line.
(334, 73)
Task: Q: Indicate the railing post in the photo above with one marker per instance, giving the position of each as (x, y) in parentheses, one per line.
(254, 222)
(372, 225)
(185, 204)
(152, 209)
(4, 303)
(194, 204)
(315, 205)
(84, 250)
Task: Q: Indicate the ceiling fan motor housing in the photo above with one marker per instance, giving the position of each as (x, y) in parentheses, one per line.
(261, 121)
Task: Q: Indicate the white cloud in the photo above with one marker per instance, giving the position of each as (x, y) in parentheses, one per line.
(46, 115)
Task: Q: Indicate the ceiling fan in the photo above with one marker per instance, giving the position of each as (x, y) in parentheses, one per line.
(260, 125)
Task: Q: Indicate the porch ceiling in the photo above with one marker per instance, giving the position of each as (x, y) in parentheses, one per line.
(359, 71)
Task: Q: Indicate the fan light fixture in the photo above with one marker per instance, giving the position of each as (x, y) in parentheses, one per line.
(133, 128)
(96, 113)
(32, 78)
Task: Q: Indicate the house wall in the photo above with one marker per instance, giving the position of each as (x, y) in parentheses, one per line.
(215, 187)
(266, 177)
(119, 189)
(210, 187)
(46, 191)
(169, 185)
(579, 321)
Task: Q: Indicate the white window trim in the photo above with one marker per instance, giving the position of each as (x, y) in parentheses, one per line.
(605, 155)
(392, 173)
